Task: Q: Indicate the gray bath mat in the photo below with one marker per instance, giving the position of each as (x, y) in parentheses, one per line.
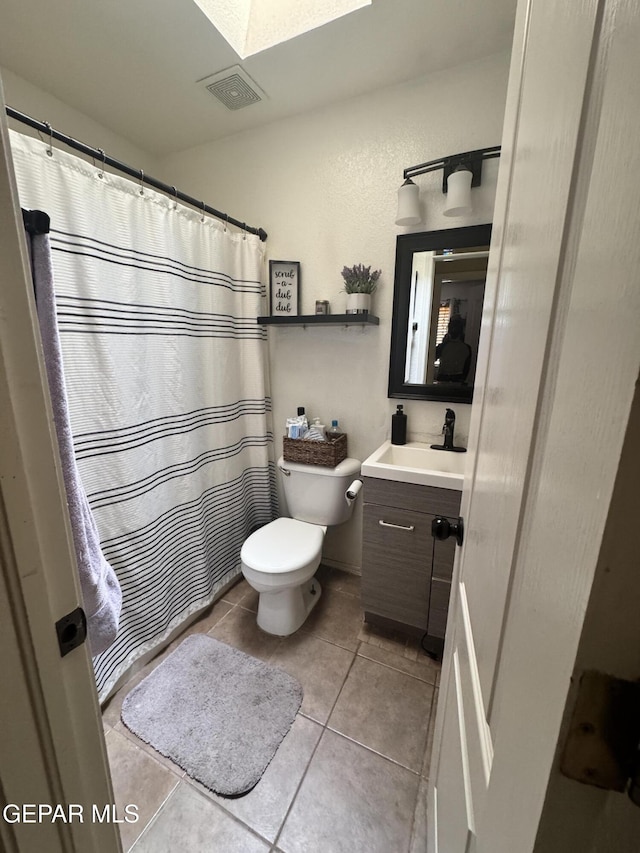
(214, 711)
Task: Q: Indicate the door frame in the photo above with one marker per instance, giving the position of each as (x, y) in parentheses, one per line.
(51, 734)
(568, 516)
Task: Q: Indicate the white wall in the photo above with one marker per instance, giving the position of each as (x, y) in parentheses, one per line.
(323, 185)
(29, 99)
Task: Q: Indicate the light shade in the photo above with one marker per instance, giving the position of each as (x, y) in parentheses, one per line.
(408, 204)
(459, 193)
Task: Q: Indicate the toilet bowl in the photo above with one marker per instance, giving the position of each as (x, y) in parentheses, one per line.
(280, 559)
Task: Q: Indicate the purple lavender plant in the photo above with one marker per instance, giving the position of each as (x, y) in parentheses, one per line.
(360, 279)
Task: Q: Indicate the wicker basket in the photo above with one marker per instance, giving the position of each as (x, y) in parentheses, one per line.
(328, 453)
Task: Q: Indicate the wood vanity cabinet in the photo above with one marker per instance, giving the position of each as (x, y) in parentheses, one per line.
(406, 573)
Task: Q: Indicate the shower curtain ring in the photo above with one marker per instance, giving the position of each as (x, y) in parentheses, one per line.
(50, 148)
(175, 192)
(202, 217)
(101, 171)
(141, 182)
(226, 220)
(244, 230)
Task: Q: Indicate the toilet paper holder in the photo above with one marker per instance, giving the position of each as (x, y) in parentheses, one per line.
(352, 492)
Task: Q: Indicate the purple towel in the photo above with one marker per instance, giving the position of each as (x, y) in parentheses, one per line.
(102, 597)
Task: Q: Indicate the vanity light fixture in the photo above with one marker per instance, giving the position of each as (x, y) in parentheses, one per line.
(461, 172)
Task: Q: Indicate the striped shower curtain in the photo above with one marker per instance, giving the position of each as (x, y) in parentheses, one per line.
(165, 370)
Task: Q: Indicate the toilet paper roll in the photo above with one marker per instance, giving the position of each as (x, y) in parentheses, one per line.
(352, 492)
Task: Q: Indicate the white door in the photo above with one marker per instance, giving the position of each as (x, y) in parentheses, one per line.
(559, 360)
(52, 748)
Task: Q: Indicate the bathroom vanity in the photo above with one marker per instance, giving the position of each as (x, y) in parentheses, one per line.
(406, 573)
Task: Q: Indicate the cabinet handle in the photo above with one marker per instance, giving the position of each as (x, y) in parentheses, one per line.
(409, 527)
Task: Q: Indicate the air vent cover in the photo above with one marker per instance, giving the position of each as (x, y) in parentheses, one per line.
(234, 88)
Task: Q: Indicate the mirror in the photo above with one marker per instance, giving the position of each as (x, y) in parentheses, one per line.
(437, 310)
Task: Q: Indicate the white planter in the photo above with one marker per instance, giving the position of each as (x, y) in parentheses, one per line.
(358, 303)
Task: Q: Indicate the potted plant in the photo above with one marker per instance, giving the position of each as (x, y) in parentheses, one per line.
(359, 284)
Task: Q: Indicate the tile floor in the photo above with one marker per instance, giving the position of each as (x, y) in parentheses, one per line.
(350, 774)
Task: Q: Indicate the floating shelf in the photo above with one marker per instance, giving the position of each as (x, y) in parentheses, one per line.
(321, 320)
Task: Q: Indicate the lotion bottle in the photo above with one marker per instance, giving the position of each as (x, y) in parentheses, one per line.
(399, 427)
(318, 426)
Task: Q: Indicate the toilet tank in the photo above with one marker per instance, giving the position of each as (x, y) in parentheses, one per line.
(317, 494)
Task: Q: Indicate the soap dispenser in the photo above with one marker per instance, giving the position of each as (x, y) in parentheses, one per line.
(399, 427)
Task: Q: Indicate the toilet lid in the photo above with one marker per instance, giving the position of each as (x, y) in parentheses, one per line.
(284, 545)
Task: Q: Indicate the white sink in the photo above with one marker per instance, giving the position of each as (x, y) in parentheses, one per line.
(416, 463)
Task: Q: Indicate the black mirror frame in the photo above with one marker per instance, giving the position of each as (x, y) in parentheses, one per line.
(406, 246)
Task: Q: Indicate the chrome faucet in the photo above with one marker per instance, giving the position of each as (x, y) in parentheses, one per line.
(447, 430)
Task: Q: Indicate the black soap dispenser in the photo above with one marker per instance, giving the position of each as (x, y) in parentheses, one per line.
(399, 427)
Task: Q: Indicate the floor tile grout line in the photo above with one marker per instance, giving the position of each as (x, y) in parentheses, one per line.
(417, 773)
(324, 639)
(326, 726)
(369, 748)
(375, 751)
(190, 782)
(156, 814)
(341, 591)
(220, 807)
(389, 666)
(315, 749)
(136, 740)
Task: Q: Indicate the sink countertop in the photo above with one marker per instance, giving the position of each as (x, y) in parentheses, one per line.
(417, 463)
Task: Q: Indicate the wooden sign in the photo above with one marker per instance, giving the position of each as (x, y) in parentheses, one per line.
(284, 287)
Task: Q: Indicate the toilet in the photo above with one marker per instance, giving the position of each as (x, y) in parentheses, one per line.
(280, 559)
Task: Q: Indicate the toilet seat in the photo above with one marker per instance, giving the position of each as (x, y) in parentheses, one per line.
(283, 545)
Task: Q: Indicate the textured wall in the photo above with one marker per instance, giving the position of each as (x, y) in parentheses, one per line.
(324, 185)
(29, 99)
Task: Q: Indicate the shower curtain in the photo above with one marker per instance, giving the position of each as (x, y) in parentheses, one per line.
(166, 379)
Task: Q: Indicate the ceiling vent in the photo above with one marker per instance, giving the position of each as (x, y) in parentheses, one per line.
(234, 88)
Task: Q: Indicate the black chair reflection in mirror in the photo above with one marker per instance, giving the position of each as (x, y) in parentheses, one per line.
(453, 354)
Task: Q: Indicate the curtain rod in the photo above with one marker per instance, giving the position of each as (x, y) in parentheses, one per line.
(105, 160)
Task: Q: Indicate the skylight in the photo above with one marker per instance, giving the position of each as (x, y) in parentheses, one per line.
(254, 25)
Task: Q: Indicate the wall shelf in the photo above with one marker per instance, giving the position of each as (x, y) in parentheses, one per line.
(321, 320)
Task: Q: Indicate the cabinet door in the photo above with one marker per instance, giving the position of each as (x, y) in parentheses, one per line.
(443, 557)
(444, 554)
(396, 576)
(439, 607)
